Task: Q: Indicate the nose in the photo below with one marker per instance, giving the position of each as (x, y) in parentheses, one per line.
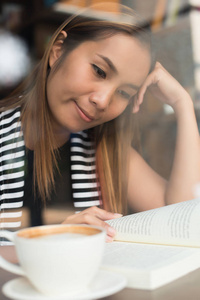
(101, 98)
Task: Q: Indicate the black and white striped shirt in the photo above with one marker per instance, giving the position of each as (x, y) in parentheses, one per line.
(85, 184)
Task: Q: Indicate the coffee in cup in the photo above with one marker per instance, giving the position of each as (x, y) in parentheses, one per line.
(57, 259)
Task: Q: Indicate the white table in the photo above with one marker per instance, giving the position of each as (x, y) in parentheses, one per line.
(185, 288)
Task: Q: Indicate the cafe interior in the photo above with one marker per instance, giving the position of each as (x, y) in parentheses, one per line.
(30, 24)
(176, 38)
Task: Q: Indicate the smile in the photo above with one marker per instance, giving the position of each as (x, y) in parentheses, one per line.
(83, 114)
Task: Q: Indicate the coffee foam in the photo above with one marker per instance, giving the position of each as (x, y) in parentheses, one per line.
(61, 237)
(36, 232)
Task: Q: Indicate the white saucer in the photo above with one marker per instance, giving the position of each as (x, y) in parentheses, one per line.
(105, 283)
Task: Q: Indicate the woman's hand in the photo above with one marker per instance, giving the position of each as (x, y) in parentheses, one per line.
(94, 216)
(164, 87)
(185, 172)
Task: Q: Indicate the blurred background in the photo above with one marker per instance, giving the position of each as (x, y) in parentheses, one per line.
(26, 27)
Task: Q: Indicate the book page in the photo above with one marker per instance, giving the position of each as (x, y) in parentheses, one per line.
(144, 257)
(148, 266)
(176, 224)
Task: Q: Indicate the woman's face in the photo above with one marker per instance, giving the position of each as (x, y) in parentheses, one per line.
(95, 82)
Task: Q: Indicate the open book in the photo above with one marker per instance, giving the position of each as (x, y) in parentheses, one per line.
(157, 246)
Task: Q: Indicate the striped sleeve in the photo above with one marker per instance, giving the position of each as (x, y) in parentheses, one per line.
(12, 159)
(85, 184)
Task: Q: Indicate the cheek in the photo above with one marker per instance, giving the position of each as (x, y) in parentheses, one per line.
(116, 109)
(77, 82)
(54, 85)
(52, 97)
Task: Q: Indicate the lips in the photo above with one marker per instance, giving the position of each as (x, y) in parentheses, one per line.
(83, 114)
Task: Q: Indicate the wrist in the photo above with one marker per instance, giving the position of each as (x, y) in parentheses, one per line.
(184, 105)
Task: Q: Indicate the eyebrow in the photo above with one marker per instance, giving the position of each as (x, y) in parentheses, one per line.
(133, 86)
(113, 68)
(109, 63)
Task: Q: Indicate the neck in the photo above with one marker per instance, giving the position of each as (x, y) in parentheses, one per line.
(60, 139)
(61, 134)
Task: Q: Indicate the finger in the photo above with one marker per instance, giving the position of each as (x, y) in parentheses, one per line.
(109, 239)
(90, 219)
(93, 220)
(136, 103)
(101, 213)
(152, 79)
(148, 82)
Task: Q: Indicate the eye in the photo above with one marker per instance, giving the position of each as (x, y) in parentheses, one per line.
(99, 71)
(124, 94)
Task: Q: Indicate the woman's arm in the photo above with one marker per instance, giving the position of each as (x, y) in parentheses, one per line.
(146, 188)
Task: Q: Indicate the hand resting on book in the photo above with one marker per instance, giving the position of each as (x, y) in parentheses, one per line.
(94, 216)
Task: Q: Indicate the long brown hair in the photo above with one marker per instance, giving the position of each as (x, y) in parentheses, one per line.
(112, 139)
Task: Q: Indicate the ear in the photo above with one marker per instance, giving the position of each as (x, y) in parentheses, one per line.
(56, 49)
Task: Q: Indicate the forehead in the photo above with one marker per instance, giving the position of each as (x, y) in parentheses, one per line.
(129, 56)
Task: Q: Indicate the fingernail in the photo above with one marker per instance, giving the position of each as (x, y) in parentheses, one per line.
(109, 239)
(111, 231)
(118, 215)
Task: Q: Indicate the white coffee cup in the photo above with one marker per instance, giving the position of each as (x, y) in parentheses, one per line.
(57, 259)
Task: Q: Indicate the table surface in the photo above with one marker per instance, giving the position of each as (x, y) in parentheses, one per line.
(187, 287)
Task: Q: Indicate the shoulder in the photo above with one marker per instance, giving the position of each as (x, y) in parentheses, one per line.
(135, 156)
(10, 124)
(10, 114)
(82, 139)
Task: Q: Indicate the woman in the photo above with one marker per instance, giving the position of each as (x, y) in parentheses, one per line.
(84, 93)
